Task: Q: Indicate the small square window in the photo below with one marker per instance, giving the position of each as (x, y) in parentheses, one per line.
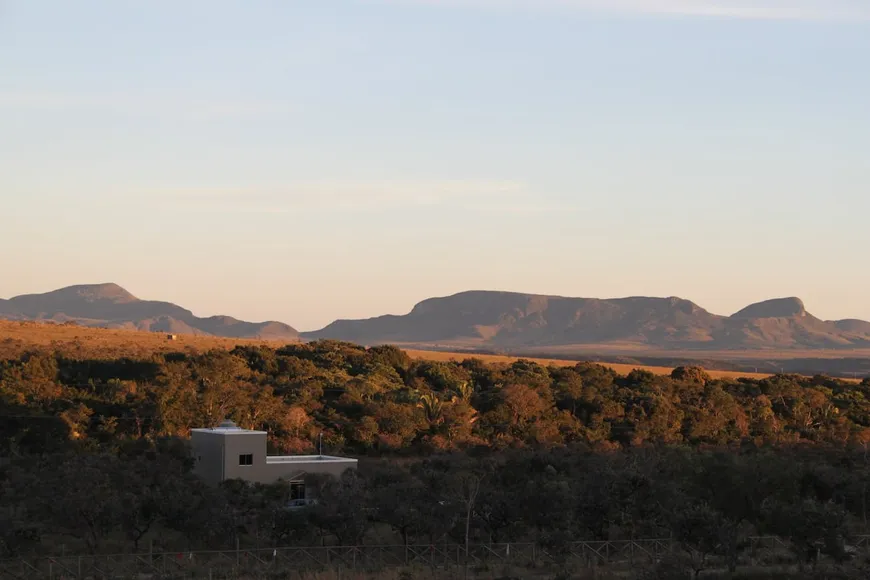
(246, 459)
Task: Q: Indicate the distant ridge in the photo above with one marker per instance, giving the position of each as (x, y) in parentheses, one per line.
(776, 308)
(487, 319)
(111, 306)
(481, 319)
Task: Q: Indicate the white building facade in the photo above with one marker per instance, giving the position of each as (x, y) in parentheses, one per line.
(230, 452)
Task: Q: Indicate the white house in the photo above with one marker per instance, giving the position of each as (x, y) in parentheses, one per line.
(230, 452)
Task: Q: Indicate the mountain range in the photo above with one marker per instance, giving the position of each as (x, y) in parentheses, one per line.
(481, 319)
(110, 306)
(511, 320)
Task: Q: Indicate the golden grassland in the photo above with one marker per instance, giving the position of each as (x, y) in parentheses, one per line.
(19, 337)
(633, 349)
(79, 341)
(619, 368)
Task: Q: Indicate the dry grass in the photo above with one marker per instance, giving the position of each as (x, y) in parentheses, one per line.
(636, 350)
(19, 337)
(82, 342)
(619, 368)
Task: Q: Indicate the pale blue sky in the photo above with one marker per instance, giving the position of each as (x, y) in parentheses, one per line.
(314, 159)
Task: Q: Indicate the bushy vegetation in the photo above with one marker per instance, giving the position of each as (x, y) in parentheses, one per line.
(376, 401)
(460, 451)
(709, 503)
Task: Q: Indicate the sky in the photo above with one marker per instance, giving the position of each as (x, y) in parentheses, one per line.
(309, 160)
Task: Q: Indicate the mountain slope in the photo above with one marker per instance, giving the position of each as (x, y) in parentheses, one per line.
(853, 326)
(511, 320)
(110, 306)
(8, 311)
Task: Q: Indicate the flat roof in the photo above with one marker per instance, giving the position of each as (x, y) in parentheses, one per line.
(228, 431)
(308, 459)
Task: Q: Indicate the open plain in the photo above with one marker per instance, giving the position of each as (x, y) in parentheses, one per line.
(72, 340)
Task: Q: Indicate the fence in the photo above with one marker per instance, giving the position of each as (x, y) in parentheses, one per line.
(284, 561)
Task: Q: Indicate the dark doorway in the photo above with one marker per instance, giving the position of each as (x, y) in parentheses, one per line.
(297, 490)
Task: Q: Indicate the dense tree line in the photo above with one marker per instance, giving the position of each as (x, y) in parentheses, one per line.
(94, 456)
(377, 400)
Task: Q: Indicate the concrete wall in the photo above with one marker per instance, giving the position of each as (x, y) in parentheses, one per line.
(288, 471)
(217, 459)
(242, 443)
(208, 455)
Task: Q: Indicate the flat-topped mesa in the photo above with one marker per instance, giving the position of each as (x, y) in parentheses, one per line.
(776, 308)
(512, 321)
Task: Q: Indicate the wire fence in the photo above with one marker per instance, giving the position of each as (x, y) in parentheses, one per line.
(285, 561)
(281, 561)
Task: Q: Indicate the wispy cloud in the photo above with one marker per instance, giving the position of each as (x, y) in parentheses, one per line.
(141, 104)
(355, 196)
(813, 10)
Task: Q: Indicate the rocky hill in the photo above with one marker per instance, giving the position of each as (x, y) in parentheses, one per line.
(512, 320)
(483, 320)
(110, 306)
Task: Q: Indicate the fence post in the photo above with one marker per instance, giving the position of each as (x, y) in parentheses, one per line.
(80, 567)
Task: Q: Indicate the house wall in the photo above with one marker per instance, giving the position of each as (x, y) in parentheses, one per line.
(208, 455)
(288, 471)
(241, 443)
(217, 458)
